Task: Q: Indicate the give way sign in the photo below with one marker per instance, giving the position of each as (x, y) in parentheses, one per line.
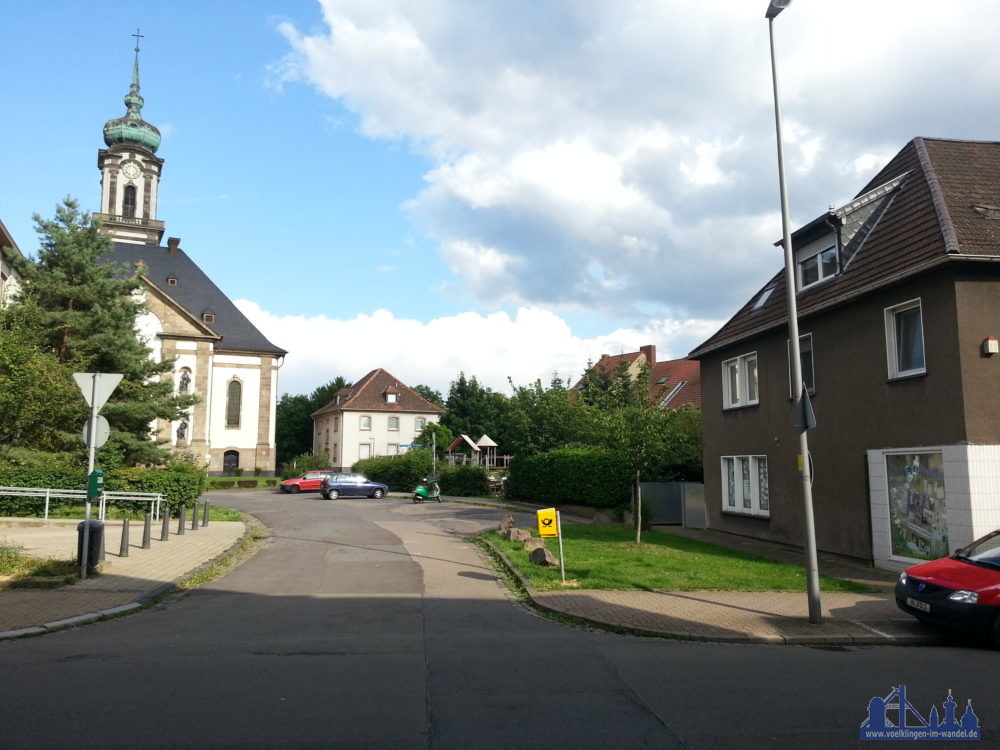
(97, 387)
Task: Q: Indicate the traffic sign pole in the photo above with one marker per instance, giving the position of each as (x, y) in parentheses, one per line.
(96, 388)
(91, 450)
(562, 564)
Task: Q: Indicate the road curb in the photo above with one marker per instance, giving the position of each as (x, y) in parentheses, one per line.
(775, 639)
(139, 603)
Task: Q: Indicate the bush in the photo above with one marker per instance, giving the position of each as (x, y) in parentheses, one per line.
(464, 481)
(401, 473)
(177, 487)
(581, 476)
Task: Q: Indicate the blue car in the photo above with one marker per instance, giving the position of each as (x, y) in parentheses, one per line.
(351, 485)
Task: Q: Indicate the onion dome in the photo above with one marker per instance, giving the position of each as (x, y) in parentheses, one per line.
(132, 130)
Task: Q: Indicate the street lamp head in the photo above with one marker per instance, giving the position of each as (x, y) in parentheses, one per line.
(775, 7)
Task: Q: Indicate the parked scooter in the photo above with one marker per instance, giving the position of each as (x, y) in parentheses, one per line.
(429, 490)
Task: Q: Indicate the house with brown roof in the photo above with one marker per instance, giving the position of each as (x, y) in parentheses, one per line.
(672, 383)
(377, 416)
(898, 293)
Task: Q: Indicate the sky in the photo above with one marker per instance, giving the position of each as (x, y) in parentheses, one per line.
(505, 189)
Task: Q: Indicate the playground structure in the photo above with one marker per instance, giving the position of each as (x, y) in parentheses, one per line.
(483, 452)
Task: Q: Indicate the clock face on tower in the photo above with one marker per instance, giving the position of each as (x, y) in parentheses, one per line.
(131, 170)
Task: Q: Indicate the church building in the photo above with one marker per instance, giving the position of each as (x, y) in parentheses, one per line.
(220, 355)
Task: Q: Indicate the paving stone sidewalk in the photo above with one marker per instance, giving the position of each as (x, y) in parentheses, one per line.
(125, 583)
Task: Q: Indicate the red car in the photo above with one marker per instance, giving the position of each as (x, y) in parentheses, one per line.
(961, 591)
(306, 482)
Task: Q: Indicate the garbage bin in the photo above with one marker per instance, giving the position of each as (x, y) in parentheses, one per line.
(95, 542)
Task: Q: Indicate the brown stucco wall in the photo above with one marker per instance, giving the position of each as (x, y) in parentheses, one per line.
(857, 408)
(978, 308)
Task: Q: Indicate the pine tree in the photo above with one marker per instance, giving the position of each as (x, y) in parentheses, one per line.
(87, 312)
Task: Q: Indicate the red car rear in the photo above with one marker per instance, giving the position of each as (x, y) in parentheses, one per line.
(306, 482)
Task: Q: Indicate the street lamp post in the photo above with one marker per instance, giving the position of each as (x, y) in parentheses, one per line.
(812, 568)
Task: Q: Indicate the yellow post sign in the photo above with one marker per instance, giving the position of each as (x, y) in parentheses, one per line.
(547, 524)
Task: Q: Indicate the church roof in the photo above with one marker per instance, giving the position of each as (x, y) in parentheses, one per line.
(197, 293)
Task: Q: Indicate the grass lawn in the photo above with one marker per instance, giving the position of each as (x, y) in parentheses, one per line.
(15, 564)
(607, 557)
(215, 512)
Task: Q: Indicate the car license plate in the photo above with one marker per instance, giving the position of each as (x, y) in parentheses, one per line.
(917, 604)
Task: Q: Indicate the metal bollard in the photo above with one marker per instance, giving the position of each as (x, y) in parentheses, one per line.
(180, 523)
(194, 517)
(146, 531)
(123, 548)
(100, 555)
(204, 515)
(165, 527)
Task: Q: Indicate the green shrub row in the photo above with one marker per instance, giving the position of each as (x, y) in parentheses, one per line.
(229, 483)
(400, 473)
(177, 487)
(464, 481)
(403, 473)
(578, 476)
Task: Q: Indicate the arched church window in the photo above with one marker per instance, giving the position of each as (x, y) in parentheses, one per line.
(234, 403)
(128, 202)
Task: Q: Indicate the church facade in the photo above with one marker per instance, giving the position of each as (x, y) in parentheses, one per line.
(219, 354)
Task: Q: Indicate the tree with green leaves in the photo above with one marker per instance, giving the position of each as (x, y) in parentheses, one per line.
(40, 407)
(429, 393)
(86, 319)
(472, 409)
(293, 431)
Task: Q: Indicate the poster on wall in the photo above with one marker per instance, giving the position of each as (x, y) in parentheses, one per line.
(917, 513)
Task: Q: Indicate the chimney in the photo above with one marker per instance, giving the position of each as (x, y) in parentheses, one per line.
(173, 245)
(650, 351)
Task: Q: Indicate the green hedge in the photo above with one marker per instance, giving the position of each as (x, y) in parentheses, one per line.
(177, 487)
(464, 481)
(400, 473)
(577, 476)
(403, 473)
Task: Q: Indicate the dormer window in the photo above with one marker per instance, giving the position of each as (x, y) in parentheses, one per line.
(391, 398)
(208, 317)
(171, 281)
(817, 267)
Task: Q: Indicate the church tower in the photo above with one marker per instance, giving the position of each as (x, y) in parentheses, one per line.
(130, 172)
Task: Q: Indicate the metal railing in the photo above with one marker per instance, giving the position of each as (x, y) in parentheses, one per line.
(155, 499)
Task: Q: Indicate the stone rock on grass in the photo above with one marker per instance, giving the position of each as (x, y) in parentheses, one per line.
(519, 535)
(543, 557)
(533, 544)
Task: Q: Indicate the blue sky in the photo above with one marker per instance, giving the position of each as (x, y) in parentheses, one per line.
(508, 189)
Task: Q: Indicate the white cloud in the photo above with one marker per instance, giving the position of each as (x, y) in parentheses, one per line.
(532, 344)
(619, 157)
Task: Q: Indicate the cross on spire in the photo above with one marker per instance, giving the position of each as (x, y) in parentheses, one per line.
(137, 36)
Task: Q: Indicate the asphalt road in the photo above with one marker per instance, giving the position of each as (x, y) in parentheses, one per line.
(374, 624)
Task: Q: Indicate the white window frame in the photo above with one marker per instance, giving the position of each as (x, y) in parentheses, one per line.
(892, 345)
(365, 422)
(735, 377)
(393, 424)
(419, 423)
(809, 380)
(391, 398)
(749, 493)
(820, 275)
